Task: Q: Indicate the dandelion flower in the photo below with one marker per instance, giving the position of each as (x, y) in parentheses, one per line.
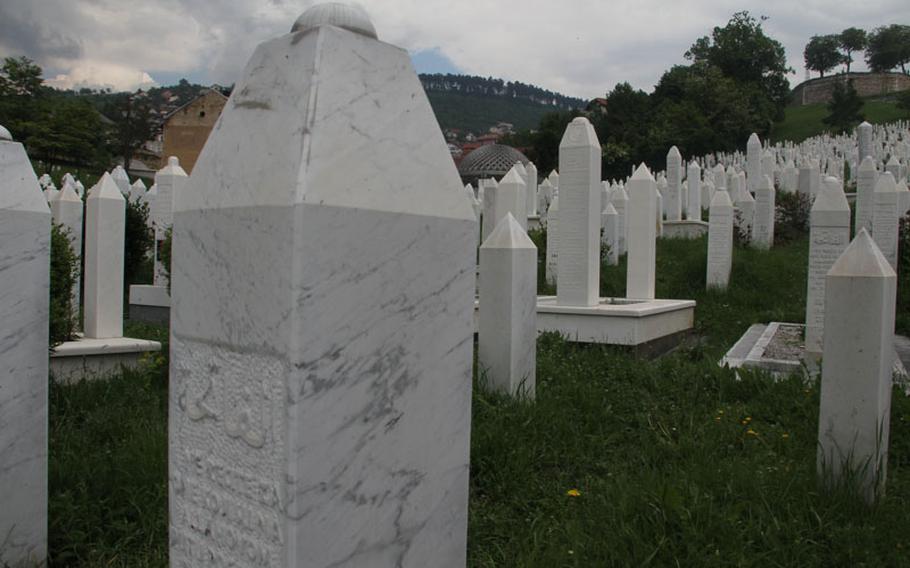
(573, 493)
(785, 435)
(751, 432)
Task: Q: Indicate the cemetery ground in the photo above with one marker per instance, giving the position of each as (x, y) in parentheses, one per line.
(620, 461)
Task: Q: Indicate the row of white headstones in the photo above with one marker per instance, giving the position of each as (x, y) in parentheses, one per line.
(99, 218)
(322, 304)
(853, 413)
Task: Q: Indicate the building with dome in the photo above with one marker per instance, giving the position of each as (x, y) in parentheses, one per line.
(491, 160)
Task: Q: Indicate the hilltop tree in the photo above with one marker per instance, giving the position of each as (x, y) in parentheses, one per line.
(852, 39)
(743, 52)
(889, 47)
(821, 53)
(845, 108)
(19, 76)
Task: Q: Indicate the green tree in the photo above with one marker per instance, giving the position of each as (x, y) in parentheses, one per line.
(743, 52)
(545, 150)
(852, 39)
(131, 113)
(845, 108)
(821, 53)
(63, 272)
(138, 245)
(20, 76)
(889, 47)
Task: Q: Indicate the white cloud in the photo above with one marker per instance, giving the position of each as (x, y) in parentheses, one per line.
(579, 47)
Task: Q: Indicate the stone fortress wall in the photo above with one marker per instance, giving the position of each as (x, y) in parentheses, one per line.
(819, 90)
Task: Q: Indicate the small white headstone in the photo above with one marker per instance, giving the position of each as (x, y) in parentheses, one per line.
(641, 262)
(855, 401)
(507, 318)
(105, 231)
(885, 220)
(720, 240)
(829, 235)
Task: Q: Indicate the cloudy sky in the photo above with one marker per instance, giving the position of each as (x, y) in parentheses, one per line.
(577, 47)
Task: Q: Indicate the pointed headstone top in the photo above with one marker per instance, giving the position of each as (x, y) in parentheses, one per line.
(610, 210)
(138, 184)
(579, 133)
(119, 173)
(894, 161)
(520, 168)
(512, 177)
(545, 184)
(642, 172)
(864, 124)
(345, 16)
(106, 189)
(862, 258)
(508, 234)
(173, 167)
(68, 193)
(868, 164)
(4, 134)
(753, 140)
(831, 197)
(674, 152)
(693, 165)
(886, 183)
(721, 198)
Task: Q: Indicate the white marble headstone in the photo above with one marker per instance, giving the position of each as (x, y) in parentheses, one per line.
(321, 322)
(25, 232)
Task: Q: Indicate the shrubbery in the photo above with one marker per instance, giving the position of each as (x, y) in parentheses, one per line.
(138, 264)
(64, 271)
(902, 323)
(791, 217)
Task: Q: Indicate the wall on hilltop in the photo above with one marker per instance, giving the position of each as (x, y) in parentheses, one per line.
(819, 90)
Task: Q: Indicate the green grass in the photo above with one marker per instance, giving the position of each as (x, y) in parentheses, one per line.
(677, 463)
(803, 122)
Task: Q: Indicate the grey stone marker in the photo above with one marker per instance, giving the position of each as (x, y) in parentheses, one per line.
(864, 140)
(763, 223)
(673, 195)
(885, 220)
(720, 241)
(753, 162)
(829, 235)
(507, 319)
(855, 404)
(550, 266)
(866, 178)
(610, 238)
(25, 233)
(693, 205)
(321, 325)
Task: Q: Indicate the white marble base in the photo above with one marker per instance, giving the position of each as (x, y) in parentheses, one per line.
(616, 321)
(684, 229)
(144, 295)
(88, 359)
(749, 352)
(534, 223)
(151, 304)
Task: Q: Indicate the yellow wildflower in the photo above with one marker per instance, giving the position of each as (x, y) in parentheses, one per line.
(785, 435)
(573, 493)
(751, 432)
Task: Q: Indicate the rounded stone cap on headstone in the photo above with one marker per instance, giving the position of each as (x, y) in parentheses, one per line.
(351, 18)
(173, 161)
(4, 134)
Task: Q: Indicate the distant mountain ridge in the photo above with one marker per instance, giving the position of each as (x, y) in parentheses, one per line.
(474, 85)
(473, 104)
